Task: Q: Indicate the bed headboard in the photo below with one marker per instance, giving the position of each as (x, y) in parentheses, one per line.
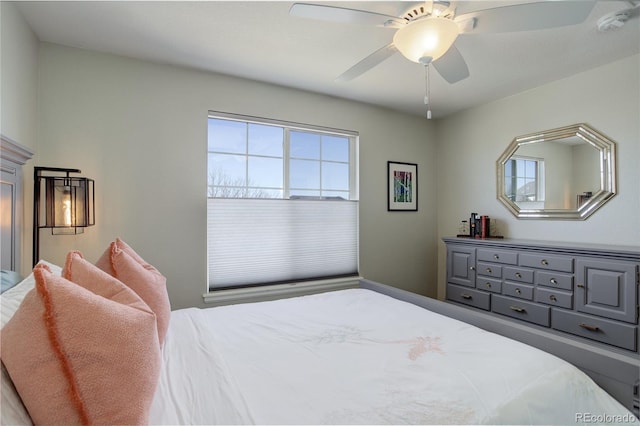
(12, 157)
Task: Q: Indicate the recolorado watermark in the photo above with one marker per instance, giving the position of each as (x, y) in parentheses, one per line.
(605, 418)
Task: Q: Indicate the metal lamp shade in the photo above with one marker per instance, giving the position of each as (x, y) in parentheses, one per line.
(63, 203)
(68, 204)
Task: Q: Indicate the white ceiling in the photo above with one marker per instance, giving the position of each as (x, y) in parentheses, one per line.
(261, 41)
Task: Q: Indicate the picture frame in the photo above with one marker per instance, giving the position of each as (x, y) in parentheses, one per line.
(402, 186)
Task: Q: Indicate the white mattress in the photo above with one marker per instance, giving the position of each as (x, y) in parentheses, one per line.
(359, 357)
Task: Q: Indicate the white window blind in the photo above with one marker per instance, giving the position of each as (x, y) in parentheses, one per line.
(253, 241)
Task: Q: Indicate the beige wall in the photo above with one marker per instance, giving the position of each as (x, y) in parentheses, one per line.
(470, 142)
(139, 129)
(19, 77)
(19, 95)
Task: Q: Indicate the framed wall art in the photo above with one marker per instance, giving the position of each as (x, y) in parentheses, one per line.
(402, 186)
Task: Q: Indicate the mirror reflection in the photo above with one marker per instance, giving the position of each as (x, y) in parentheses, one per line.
(564, 173)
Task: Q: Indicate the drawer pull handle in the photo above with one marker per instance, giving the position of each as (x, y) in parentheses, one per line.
(488, 270)
(553, 298)
(465, 296)
(496, 257)
(553, 281)
(488, 285)
(518, 291)
(518, 275)
(589, 327)
(580, 286)
(545, 262)
(472, 268)
(517, 309)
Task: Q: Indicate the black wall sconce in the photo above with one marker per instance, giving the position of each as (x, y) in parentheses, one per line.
(61, 202)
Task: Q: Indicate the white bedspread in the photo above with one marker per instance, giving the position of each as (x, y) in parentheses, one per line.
(359, 357)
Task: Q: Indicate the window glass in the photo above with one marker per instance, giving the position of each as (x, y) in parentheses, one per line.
(272, 159)
(344, 195)
(335, 148)
(304, 174)
(524, 180)
(298, 193)
(508, 187)
(227, 170)
(265, 172)
(530, 169)
(227, 136)
(335, 176)
(265, 140)
(305, 145)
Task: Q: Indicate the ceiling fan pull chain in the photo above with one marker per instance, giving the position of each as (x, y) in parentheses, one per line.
(427, 91)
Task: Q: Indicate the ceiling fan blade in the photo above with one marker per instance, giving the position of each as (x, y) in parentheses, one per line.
(341, 14)
(367, 63)
(634, 11)
(451, 66)
(529, 16)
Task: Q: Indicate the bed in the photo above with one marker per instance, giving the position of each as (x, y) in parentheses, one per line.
(352, 356)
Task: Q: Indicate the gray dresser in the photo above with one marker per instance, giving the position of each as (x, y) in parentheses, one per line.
(588, 291)
(577, 301)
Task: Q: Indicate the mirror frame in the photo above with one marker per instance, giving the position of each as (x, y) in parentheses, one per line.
(607, 152)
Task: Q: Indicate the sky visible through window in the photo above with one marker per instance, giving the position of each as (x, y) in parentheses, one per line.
(253, 160)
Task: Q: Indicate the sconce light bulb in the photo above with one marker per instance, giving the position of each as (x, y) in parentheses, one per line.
(66, 208)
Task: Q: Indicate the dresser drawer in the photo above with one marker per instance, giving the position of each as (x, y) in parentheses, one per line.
(602, 330)
(520, 309)
(489, 284)
(489, 270)
(547, 261)
(469, 296)
(517, 274)
(498, 256)
(554, 280)
(521, 291)
(553, 297)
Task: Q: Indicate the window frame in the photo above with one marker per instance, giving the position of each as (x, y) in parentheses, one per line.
(287, 127)
(539, 179)
(216, 293)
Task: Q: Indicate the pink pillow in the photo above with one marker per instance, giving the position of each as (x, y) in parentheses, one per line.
(105, 264)
(76, 356)
(80, 271)
(122, 262)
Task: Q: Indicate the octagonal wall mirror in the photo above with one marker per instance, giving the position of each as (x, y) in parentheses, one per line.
(564, 173)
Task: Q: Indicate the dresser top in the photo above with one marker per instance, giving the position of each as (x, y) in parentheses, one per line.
(601, 250)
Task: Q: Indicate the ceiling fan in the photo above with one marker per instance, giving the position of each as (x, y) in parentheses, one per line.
(613, 21)
(427, 31)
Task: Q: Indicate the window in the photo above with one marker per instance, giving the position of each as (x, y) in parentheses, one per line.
(282, 202)
(524, 179)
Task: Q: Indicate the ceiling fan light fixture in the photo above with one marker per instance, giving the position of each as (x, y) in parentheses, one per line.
(426, 39)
